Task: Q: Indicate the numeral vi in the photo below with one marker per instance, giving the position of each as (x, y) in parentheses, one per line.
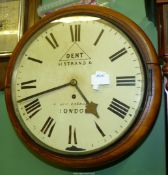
(72, 135)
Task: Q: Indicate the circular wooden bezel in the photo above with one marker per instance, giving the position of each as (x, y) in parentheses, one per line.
(147, 116)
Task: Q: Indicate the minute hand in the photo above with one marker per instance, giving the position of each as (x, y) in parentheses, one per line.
(44, 92)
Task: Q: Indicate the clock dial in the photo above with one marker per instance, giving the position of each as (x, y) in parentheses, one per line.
(83, 87)
(76, 119)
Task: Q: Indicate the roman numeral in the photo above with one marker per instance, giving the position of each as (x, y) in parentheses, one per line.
(48, 126)
(33, 108)
(35, 60)
(118, 54)
(75, 33)
(100, 130)
(28, 84)
(98, 38)
(119, 108)
(72, 135)
(52, 41)
(126, 81)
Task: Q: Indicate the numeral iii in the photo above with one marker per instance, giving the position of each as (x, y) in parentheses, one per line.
(28, 84)
(125, 81)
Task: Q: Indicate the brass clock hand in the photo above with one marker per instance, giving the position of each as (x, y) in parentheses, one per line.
(91, 107)
(44, 92)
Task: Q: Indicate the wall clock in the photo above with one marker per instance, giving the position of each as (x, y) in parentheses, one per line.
(83, 87)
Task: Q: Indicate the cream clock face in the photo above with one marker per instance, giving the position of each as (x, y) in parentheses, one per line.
(78, 85)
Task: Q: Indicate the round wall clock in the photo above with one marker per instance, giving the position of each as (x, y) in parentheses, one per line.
(83, 87)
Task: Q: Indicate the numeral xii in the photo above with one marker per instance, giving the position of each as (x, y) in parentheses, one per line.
(75, 33)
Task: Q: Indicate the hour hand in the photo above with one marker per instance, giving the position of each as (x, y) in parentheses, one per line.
(92, 108)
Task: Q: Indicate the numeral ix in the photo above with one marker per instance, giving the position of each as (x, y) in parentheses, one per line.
(28, 84)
